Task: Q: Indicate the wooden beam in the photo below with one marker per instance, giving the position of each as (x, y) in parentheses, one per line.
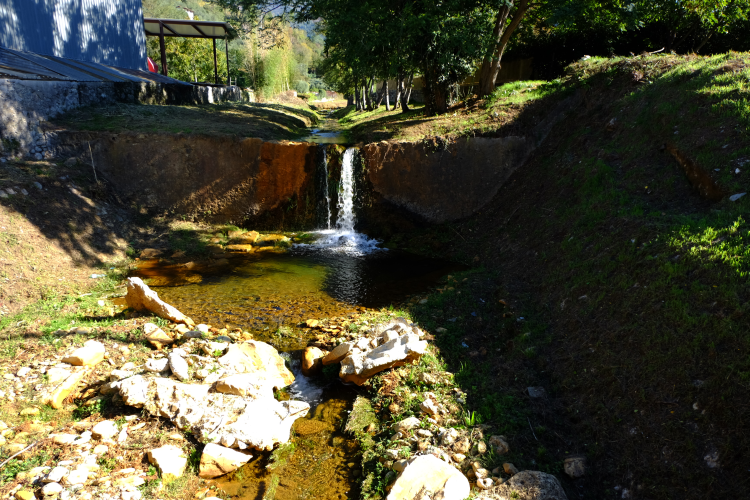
(226, 50)
(163, 50)
(216, 70)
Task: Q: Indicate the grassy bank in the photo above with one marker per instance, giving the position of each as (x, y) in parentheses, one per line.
(264, 121)
(620, 247)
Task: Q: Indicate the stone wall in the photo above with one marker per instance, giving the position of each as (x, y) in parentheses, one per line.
(26, 104)
(442, 182)
(223, 179)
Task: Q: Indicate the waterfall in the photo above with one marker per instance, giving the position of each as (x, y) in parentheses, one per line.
(345, 221)
(328, 195)
(343, 238)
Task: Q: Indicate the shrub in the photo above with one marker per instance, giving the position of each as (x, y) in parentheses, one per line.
(302, 87)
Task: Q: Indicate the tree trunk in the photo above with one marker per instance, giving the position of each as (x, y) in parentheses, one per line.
(358, 96)
(399, 86)
(387, 97)
(501, 35)
(409, 83)
(368, 93)
(436, 92)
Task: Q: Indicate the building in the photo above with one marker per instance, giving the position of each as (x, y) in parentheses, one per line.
(101, 31)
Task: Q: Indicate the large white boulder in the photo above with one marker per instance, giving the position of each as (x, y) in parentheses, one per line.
(141, 298)
(217, 460)
(260, 359)
(429, 476)
(233, 420)
(526, 485)
(360, 366)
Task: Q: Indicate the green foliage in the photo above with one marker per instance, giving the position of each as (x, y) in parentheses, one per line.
(15, 466)
(302, 87)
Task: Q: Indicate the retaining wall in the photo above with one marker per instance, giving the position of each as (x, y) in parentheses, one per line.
(26, 104)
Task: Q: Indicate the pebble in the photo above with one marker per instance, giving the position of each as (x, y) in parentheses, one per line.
(106, 429)
(22, 372)
(52, 489)
(56, 475)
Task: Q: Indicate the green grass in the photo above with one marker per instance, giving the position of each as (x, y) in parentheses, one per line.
(633, 289)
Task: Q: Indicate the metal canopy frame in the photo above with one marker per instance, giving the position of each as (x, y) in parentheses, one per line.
(189, 29)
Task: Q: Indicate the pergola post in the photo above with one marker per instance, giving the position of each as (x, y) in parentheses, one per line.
(163, 50)
(226, 51)
(216, 71)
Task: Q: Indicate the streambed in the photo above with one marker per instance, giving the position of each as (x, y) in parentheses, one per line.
(272, 295)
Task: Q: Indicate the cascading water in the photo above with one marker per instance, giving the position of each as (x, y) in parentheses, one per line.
(345, 221)
(344, 238)
(328, 194)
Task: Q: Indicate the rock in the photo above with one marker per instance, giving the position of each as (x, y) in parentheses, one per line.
(270, 240)
(178, 365)
(170, 460)
(56, 475)
(13, 448)
(737, 196)
(510, 469)
(406, 425)
(499, 444)
(110, 387)
(450, 437)
(479, 448)
(106, 429)
(157, 365)
(484, 483)
(312, 323)
(400, 465)
(25, 495)
(140, 297)
(150, 253)
(215, 417)
(428, 378)
(22, 372)
(428, 406)
(156, 336)
(29, 412)
(71, 162)
(57, 397)
(462, 446)
(64, 439)
(100, 449)
(91, 354)
(312, 361)
(359, 367)
(428, 475)
(536, 392)
(338, 353)
(57, 375)
(245, 384)
(52, 489)
(249, 237)
(217, 460)
(77, 476)
(575, 467)
(240, 248)
(259, 358)
(526, 485)
(116, 375)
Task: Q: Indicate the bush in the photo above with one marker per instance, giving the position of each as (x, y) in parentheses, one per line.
(322, 94)
(302, 87)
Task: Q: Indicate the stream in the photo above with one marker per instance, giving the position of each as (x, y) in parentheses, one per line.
(271, 295)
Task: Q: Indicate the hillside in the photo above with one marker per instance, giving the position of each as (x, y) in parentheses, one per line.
(611, 270)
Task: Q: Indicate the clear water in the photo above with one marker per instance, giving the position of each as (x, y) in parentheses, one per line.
(344, 239)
